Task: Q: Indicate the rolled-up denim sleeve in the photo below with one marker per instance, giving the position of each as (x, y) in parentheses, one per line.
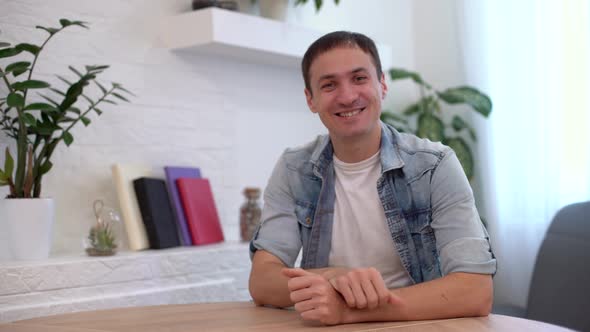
(278, 232)
(461, 239)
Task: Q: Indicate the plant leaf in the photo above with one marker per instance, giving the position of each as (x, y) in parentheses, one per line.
(30, 84)
(400, 73)
(76, 71)
(30, 119)
(90, 101)
(75, 110)
(8, 164)
(67, 119)
(63, 79)
(120, 87)
(96, 69)
(50, 100)
(387, 116)
(80, 23)
(43, 169)
(15, 100)
(120, 97)
(8, 52)
(72, 94)
(51, 31)
(17, 65)
(109, 101)
(318, 5)
(412, 109)
(59, 92)
(33, 49)
(40, 107)
(68, 138)
(17, 72)
(479, 101)
(85, 121)
(98, 111)
(463, 153)
(431, 127)
(459, 124)
(4, 44)
(64, 22)
(102, 88)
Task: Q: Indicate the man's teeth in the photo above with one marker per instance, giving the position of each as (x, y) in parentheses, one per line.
(349, 114)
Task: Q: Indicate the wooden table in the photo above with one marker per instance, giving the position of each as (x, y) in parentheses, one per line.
(244, 316)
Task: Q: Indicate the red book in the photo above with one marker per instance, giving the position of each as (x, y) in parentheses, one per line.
(199, 210)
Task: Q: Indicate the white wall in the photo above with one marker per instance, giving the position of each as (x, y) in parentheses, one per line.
(231, 119)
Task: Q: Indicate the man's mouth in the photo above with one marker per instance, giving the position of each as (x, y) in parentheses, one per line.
(350, 113)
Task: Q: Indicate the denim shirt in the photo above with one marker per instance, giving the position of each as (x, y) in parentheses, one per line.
(428, 204)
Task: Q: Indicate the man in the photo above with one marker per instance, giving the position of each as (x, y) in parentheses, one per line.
(386, 221)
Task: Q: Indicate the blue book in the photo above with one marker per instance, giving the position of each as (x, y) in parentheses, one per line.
(172, 174)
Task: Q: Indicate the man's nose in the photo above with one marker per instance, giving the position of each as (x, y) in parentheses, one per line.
(347, 94)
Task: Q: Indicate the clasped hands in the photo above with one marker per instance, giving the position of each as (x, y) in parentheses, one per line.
(330, 300)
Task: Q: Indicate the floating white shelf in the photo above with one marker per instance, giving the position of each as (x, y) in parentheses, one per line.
(241, 36)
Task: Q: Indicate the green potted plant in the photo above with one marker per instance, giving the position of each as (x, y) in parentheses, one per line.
(38, 116)
(426, 117)
(318, 3)
(277, 9)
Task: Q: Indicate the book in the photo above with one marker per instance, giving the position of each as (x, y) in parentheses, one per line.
(156, 212)
(200, 211)
(123, 176)
(173, 173)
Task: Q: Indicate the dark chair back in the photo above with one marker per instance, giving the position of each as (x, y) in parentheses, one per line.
(560, 287)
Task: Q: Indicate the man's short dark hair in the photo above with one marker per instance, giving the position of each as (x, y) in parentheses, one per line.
(339, 39)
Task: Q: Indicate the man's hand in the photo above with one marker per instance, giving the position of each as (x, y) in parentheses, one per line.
(315, 298)
(363, 288)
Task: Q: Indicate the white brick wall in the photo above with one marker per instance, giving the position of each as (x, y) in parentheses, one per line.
(232, 119)
(171, 276)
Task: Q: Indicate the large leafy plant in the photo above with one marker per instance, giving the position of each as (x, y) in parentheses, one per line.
(426, 117)
(39, 126)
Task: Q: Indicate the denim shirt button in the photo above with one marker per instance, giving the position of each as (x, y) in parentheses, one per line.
(308, 220)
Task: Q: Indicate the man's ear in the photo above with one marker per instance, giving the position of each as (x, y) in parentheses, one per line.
(309, 99)
(383, 86)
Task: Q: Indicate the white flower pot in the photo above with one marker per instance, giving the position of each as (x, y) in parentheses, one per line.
(26, 228)
(274, 9)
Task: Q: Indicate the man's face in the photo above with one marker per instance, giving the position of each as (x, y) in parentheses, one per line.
(346, 93)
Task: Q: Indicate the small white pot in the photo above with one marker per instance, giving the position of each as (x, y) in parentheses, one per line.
(26, 228)
(274, 9)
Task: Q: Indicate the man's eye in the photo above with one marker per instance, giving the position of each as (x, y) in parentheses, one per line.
(360, 78)
(327, 86)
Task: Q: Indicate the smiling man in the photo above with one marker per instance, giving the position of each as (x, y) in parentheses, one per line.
(386, 221)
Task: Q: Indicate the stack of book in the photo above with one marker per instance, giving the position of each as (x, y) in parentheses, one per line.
(162, 213)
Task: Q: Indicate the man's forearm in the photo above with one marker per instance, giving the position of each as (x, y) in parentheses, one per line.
(268, 286)
(455, 295)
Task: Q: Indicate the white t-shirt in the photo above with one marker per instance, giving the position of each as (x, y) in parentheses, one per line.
(360, 236)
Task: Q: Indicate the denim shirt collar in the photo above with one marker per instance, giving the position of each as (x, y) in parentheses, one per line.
(322, 156)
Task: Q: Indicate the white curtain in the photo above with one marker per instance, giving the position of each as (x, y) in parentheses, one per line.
(532, 58)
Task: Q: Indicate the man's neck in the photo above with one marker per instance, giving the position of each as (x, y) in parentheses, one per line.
(353, 150)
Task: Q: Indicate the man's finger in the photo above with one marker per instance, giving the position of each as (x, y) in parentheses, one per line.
(359, 295)
(300, 295)
(294, 273)
(382, 292)
(370, 293)
(342, 286)
(304, 306)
